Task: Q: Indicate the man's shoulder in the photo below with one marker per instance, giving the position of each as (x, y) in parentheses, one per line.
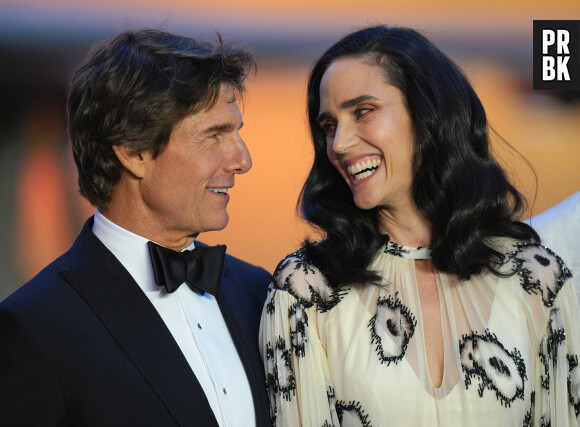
(242, 277)
(42, 300)
(244, 287)
(238, 268)
(42, 285)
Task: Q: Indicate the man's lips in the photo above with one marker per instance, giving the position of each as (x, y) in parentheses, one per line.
(219, 190)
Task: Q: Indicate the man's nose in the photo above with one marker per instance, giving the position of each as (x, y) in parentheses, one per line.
(240, 161)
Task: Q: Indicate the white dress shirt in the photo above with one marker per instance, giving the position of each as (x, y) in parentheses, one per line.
(196, 323)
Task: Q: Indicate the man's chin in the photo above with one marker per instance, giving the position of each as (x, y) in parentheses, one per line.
(216, 224)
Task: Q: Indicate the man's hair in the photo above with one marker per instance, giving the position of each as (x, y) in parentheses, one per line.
(457, 185)
(133, 89)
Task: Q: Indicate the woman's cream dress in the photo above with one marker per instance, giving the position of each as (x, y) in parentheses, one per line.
(356, 356)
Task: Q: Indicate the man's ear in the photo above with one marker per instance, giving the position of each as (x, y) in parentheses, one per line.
(135, 163)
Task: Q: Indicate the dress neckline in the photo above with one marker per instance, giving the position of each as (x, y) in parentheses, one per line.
(421, 252)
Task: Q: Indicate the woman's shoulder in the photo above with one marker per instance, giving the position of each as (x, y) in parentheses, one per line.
(539, 270)
(292, 263)
(297, 275)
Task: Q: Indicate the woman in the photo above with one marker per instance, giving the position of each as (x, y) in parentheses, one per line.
(427, 302)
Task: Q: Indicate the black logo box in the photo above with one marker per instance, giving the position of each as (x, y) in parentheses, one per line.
(573, 64)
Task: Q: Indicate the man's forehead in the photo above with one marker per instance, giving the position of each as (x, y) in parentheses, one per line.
(228, 92)
(226, 100)
(224, 114)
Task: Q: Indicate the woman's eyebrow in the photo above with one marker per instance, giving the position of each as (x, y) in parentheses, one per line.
(358, 100)
(347, 104)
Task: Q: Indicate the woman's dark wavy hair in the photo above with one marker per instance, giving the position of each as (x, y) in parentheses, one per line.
(133, 90)
(457, 185)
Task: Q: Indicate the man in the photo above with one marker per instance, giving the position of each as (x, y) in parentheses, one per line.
(105, 335)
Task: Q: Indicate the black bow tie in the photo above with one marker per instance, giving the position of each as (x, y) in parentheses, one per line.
(200, 268)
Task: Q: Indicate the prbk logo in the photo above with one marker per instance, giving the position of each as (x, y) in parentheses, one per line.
(556, 55)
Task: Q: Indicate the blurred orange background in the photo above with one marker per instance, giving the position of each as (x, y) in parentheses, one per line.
(41, 212)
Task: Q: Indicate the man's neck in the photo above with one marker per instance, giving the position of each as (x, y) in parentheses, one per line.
(132, 219)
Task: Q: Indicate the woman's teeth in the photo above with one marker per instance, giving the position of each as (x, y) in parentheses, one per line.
(364, 168)
(363, 175)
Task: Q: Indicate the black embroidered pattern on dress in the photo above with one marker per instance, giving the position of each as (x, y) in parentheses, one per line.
(302, 264)
(552, 344)
(391, 329)
(273, 405)
(485, 358)
(330, 396)
(573, 384)
(554, 337)
(270, 305)
(547, 287)
(352, 414)
(325, 304)
(300, 260)
(298, 323)
(544, 379)
(395, 249)
(541, 260)
(545, 421)
(528, 417)
(279, 356)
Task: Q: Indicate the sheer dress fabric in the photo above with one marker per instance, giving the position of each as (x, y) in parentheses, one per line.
(356, 356)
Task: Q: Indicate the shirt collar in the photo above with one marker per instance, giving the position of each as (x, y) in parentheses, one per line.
(130, 249)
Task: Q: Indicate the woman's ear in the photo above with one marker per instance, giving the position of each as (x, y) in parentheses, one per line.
(135, 163)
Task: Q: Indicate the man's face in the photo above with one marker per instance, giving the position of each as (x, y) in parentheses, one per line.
(185, 187)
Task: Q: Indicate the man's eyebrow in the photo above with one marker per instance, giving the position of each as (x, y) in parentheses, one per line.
(347, 104)
(223, 127)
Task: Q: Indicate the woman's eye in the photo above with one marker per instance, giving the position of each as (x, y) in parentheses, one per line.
(328, 128)
(359, 112)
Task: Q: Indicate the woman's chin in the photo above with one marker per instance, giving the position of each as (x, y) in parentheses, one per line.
(364, 204)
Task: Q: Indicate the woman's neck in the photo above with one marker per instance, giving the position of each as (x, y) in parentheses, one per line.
(405, 226)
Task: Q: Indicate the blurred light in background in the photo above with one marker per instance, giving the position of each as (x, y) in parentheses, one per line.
(41, 44)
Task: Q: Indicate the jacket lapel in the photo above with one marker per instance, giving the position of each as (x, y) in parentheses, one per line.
(250, 358)
(136, 326)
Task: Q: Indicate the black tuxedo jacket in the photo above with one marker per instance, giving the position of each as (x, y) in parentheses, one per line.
(81, 345)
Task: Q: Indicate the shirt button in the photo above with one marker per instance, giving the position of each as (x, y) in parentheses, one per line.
(199, 326)
(225, 391)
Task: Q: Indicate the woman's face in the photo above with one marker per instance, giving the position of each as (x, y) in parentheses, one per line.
(369, 136)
